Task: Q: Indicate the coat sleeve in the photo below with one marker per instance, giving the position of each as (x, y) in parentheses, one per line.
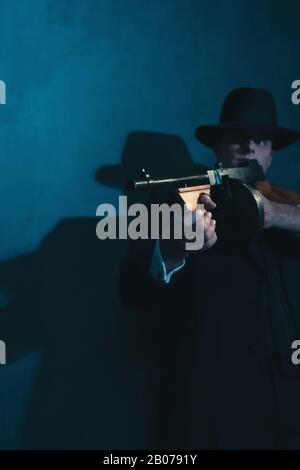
(137, 288)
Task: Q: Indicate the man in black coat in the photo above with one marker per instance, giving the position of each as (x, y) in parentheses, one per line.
(220, 322)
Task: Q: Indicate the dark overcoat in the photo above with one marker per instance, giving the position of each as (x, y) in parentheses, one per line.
(222, 334)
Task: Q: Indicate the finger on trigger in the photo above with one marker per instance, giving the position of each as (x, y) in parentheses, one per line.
(207, 201)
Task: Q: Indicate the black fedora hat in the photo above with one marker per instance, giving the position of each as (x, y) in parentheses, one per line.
(248, 110)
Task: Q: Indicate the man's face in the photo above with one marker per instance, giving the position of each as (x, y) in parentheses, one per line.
(235, 147)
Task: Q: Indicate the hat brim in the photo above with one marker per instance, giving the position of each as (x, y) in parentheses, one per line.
(111, 175)
(281, 137)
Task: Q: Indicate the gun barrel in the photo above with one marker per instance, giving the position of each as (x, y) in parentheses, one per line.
(249, 172)
(183, 181)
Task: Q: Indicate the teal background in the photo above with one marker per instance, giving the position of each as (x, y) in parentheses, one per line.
(82, 75)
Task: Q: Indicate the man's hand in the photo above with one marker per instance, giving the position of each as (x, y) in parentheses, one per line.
(269, 211)
(284, 216)
(174, 251)
(210, 236)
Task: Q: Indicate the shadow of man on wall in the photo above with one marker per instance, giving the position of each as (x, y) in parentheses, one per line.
(97, 374)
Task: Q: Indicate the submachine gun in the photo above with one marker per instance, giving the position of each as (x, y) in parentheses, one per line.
(239, 212)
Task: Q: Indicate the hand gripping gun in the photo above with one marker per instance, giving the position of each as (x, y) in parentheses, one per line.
(239, 212)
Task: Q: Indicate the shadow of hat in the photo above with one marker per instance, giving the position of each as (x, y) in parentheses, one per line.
(161, 155)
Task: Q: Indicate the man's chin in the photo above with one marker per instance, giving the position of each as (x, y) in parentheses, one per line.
(241, 161)
(235, 162)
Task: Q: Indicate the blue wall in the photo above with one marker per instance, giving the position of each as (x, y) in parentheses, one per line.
(82, 75)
